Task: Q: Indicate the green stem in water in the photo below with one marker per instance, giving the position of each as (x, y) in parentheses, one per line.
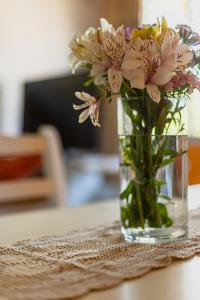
(140, 207)
(151, 192)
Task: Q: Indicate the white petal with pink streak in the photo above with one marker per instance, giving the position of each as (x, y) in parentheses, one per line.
(183, 55)
(85, 97)
(84, 115)
(136, 78)
(162, 76)
(132, 60)
(77, 107)
(153, 92)
(115, 79)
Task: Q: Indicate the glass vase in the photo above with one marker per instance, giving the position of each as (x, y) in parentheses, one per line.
(153, 172)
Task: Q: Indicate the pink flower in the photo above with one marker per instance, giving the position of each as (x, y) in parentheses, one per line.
(92, 108)
(182, 80)
(188, 35)
(151, 64)
(168, 87)
(193, 81)
(144, 68)
(114, 45)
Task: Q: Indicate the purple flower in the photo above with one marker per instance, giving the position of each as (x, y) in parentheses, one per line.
(127, 32)
(188, 35)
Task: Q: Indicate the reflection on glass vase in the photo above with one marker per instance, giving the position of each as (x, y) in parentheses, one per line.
(154, 174)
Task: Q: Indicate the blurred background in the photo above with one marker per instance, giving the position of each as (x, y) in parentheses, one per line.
(37, 88)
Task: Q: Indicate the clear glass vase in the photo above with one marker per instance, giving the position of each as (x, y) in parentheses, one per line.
(154, 176)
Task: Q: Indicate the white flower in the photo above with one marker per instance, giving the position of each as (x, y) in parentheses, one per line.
(86, 48)
(98, 71)
(92, 108)
(106, 26)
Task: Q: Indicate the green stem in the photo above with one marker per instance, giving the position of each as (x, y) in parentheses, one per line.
(140, 207)
(152, 195)
(149, 151)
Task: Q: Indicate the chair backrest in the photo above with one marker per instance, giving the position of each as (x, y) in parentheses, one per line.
(46, 143)
(194, 161)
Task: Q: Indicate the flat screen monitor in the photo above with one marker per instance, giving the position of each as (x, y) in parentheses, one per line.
(51, 102)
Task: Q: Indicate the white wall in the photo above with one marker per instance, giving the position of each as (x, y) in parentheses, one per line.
(33, 44)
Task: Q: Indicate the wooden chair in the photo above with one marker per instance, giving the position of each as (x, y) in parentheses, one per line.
(194, 161)
(46, 144)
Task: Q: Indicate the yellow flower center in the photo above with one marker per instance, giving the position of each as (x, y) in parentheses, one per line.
(148, 32)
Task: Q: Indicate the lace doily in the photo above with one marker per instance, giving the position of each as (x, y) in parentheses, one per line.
(70, 265)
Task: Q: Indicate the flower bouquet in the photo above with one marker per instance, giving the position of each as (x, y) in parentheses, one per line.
(151, 71)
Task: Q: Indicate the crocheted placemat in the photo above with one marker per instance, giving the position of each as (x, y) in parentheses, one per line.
(70, 265)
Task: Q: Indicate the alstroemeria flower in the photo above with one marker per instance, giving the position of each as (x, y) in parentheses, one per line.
(140, 63)
(87, 47)
(114, 44)
(102, 51)
(99, 70)
(91, 106)
(87, 50)
(148, 64)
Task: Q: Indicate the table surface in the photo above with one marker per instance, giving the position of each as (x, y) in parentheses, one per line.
(179, 281)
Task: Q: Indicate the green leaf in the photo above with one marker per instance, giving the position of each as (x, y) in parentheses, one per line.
(166, 220)
(166, 162)
(169, 152)
(125, 194)
(157, 182)
(88, 82)
(162, 118)
(183, 152)
(127, 155)
(165, 197)
(127, 108)
(124, 215)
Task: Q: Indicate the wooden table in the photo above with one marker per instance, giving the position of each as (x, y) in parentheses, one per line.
(180, 281)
